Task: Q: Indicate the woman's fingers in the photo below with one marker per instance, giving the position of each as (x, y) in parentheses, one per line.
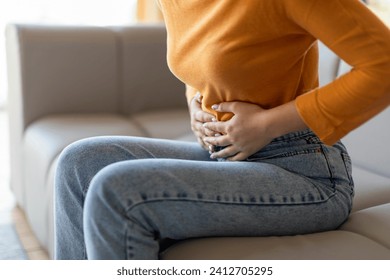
(221, 141)
(229, 151)
(202, 130)
(218, 127)
(226, 153)
(202, 116)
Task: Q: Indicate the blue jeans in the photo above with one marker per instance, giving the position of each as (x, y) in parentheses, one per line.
(120, 197)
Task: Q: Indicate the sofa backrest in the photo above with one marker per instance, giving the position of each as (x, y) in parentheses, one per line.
(147, 81)
(58, 69)
(74, 69)
(328, 64)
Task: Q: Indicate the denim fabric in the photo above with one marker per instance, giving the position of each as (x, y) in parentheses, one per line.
(120, 197)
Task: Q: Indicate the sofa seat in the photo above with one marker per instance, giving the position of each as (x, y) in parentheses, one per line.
(369, 223)
(373, 223)
(331, 245)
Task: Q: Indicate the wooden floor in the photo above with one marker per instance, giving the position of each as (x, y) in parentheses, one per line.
(29, 242)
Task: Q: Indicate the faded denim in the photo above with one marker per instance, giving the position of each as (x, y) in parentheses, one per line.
(120, 197)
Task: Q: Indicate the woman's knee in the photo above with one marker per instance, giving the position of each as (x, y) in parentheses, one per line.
(91, 153)
(71, 155)
(81, 160)
(125, 184)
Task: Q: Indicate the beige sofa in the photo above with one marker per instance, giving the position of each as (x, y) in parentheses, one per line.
(68, 83)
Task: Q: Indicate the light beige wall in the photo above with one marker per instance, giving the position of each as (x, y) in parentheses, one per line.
(148, 11)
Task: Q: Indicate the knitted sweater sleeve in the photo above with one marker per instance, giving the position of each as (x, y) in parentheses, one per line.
(357, 36)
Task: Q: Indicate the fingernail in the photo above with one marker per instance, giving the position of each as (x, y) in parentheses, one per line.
(217, 135)
(213, 119)
(215, 107)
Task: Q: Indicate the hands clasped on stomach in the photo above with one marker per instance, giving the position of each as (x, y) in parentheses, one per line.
(241, 136)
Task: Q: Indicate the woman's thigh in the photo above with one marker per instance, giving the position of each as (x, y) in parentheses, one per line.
(129, 147)
(295, 185)
(220, 198)
(146, 201)
(295, 176)
(82, 160)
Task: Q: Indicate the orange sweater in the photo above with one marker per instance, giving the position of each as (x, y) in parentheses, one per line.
(265, 52)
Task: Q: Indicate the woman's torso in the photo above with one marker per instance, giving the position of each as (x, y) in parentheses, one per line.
(233, 50)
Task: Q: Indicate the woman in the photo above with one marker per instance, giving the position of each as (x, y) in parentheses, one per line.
(269, 160)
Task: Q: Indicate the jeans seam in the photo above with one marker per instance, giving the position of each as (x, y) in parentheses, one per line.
(330, 167)
(128, 209)
(312, 150)
(294, 136)
(128, 246)
(345, 157)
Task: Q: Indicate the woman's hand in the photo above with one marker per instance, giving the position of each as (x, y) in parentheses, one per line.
(198, 119)
(243, 135)
(251, 128)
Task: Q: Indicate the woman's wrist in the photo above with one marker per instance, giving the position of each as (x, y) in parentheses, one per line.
(284, 119)
(191, 93)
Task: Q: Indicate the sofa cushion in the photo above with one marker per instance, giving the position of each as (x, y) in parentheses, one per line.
(374, 223)
(326, 245)
(168, 124)
(48, 136)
